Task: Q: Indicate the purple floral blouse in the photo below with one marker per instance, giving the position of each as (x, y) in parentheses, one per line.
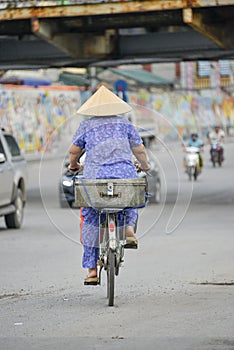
(108, 142)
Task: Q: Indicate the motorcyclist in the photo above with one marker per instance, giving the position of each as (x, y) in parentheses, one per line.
(217, 136)
(195, 141)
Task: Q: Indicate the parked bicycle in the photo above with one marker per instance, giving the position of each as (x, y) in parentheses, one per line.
(110, 197)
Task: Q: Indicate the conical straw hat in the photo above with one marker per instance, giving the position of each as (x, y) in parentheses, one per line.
(104, 103)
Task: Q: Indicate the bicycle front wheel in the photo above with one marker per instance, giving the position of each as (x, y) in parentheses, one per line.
(111, 278)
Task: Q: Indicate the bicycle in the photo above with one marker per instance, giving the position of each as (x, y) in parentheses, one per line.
(111, 197)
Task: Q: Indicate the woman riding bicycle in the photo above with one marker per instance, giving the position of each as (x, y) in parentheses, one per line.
(109, 141)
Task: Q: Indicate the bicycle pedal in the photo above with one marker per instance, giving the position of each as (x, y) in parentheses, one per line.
(92, 281)
(130, 246)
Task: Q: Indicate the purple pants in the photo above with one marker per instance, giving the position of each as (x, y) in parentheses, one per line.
(90, 233)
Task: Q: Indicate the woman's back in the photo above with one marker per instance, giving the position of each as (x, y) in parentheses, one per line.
(108, 142)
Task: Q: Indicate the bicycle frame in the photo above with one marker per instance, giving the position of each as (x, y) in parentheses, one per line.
(112, 238)
(111, 197)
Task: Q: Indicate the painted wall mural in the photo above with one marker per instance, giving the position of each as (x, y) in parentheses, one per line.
(177, 113)
(34, 116)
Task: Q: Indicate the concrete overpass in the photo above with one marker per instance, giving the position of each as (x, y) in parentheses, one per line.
(83, 33)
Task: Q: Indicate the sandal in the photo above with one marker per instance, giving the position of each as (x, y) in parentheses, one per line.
(131, 243)
(91, 281)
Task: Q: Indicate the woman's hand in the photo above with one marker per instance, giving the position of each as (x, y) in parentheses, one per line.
(146, 170)
(140, 168)
(140, 154)
(77, 168)
(74, 154)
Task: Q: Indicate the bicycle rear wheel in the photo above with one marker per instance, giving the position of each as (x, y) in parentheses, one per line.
(111, 278)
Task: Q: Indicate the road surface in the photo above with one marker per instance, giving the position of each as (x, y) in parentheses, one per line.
(175, 292)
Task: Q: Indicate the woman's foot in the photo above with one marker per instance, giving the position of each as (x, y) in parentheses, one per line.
(130, 233)
(91, 278)
(131, 240)
(92, 273)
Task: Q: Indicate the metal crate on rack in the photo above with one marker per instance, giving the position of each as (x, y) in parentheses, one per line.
(110, 193)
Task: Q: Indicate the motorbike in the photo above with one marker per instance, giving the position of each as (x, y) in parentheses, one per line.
(216, 153)
(192, 162)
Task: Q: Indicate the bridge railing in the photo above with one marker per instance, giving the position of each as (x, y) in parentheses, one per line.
(4, 4)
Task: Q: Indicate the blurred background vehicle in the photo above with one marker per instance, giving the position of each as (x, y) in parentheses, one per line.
(13, 175)
(66, 188)
(216, 153)
(154, 181)
(192, 162)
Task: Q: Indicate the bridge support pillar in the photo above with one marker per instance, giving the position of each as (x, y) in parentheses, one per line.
(76, 45)
(219, 33)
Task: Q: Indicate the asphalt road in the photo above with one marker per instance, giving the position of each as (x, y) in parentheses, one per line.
(175, 292)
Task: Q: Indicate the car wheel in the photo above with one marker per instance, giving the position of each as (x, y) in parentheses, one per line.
(156, 198)
(62, 198)
(14, 220)
(70, 203)
(64, 203)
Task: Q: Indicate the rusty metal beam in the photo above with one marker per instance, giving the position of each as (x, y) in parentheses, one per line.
(75, 45)
(92, 9)
(155, 47)
(219, 33)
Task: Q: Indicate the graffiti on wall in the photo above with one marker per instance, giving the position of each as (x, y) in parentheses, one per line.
(181, 113)
(34, 115)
